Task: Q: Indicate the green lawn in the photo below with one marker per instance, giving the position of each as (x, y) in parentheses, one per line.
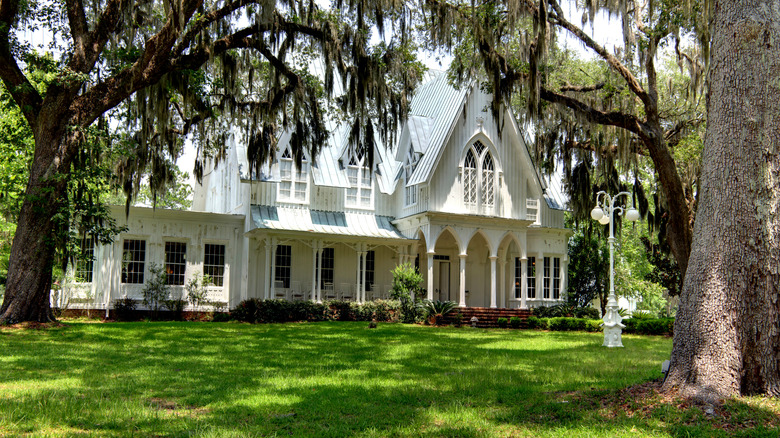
(333, 379)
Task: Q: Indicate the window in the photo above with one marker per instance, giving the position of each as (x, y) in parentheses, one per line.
(369, 270)
(518, 277)
(294, 181)
(283, 264)
(175, 263)
(410, 197)
(360, 190)
(479, 177)
(557, 278)
(214, 263)
(85, 259)
(133, 258)
(546, 277)
(531, 274)
(470, 179)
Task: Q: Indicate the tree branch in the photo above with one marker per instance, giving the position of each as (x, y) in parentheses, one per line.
(625, 121)
(632, 82)
(22, 91)
(581, 88)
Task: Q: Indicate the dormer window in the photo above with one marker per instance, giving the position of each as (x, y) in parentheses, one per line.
(293, 181)
(479, 178)
(410, 193)
(360, 191)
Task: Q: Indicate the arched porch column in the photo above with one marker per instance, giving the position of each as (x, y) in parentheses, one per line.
(493, 292)
(462, 300)
(430, 275)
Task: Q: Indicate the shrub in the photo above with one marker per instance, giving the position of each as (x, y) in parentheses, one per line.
(197, 290)
(155, 290)
(124, 309)
(436, 311)
(342, 310)
(407, 290)
(247, 310)
(587, 312)
(593, 325)
(642, 314)
(308, 311)
(515, 322)
(220, 317)
(175, 304)
(458, 319)
(502, 322)
(273, 311)
(534, 322)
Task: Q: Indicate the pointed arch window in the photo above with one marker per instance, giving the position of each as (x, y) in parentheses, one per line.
(360, 192)
(293, 181)
(479, 178)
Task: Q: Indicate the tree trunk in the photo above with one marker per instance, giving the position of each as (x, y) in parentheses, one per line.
(726, 337)
(32, 253)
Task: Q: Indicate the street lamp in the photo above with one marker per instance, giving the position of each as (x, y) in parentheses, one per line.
(604, 213)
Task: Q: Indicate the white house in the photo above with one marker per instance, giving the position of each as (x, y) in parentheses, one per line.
(453, 196)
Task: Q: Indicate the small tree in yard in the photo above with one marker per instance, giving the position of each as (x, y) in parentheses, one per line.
(156, 289)
(407, 289)
(197, 290)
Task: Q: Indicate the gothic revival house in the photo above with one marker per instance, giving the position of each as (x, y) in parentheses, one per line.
(453, 197)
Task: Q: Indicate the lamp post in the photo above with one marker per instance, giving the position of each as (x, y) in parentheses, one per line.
(604, 213)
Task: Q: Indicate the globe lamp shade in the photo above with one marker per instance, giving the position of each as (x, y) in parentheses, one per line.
(632, 214)
(604, 220)
(597, 213)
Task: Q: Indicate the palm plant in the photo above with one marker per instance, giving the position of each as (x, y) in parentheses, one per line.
(435, 311)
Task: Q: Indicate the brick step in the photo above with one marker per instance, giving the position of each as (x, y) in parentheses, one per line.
(488, 317)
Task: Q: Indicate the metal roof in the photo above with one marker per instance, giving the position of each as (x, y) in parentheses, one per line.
(441, 102)
(326, 222)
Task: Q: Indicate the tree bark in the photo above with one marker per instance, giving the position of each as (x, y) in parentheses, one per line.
(32, 253)
(726, 337)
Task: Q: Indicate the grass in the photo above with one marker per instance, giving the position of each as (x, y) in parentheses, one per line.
(341, 379)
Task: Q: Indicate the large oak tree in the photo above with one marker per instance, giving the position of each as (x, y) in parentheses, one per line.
(727, 333)
(168, 67)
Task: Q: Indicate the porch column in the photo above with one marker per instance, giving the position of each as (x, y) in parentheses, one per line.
(493, 281)
(563, 275)
(362, 295)
(314, 272)
(462, 302)
(273, 269)
(430, 275)
(267, 278)
(357, 272)
(540, 275)
(523, 283)
(502, 276)
(319, 273)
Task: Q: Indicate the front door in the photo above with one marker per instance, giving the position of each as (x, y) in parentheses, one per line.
(444, 281)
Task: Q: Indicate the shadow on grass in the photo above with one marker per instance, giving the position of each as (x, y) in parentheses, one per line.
(331, 379)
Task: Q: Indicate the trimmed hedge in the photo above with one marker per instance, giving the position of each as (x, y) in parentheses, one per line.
(255, 310)
(656, 326)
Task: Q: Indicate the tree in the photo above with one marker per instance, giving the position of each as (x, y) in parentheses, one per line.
(588, 268)
(726, 336)
(613, 108)
(170, 67)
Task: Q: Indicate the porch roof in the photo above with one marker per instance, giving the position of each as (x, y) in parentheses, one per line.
(324, 222)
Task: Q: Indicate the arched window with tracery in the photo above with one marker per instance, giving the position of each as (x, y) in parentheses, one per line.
(360, 190)
(410, 192)
(479, 178)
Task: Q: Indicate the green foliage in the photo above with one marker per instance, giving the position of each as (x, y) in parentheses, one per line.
(649, 326)
(124, 309)
(588, 267)
(436, 311)
(502, 322)
(515, 322)
(565, 310)
(269, 311)
(155, 290)
(197, 290)
(407, 288)
(175, 304)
